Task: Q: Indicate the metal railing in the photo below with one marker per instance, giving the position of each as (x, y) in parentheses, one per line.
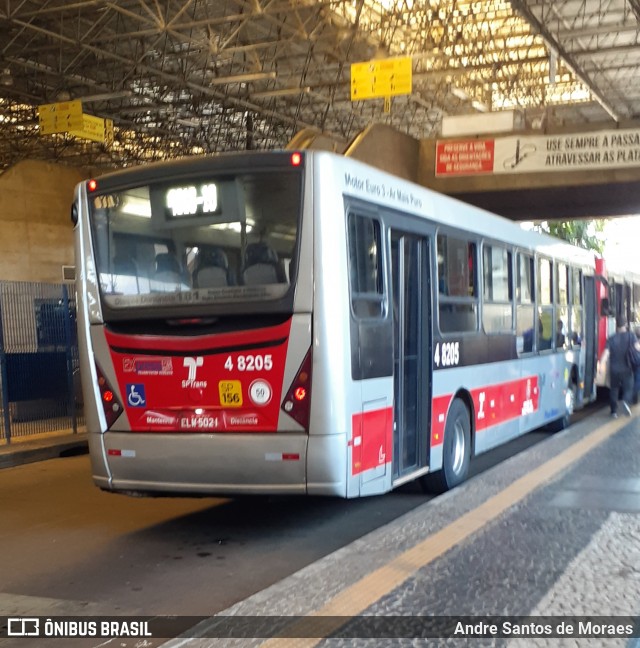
(39, 365)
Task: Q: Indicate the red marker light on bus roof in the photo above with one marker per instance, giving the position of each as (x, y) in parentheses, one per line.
(296, 159)
(92, 184)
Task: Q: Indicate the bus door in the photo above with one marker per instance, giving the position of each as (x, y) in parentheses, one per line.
(591, 317)
(620, 302)
(411, 350)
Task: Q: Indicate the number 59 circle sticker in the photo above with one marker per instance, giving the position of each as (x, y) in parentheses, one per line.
(260, 392)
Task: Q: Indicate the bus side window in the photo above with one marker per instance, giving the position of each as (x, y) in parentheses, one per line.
(457, 285)
(546, 319)
(365, 266)
(524, 303)
(497, 291)
(562, 306)
(576, 306)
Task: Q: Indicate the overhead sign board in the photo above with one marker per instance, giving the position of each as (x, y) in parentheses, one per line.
(381, 78)
(96, 129)
(591, 151)
(60, 117)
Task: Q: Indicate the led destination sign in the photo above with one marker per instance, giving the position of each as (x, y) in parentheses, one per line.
(196, 202)
(192, 200)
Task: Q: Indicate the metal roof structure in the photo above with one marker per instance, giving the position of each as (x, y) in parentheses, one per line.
(182, 77)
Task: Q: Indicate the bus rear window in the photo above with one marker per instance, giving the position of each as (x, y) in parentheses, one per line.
(206, 239)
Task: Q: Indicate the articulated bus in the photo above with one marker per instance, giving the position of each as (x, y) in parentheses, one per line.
(302, 323)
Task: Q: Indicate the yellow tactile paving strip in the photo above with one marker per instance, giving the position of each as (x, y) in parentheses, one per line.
(358, 597)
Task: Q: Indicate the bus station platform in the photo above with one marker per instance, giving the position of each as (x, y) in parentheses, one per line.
(543, 549)
(46, 446)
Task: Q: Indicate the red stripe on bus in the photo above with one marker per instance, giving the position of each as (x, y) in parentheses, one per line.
(497, 404)
(371, 439)
(493, 405)
(439, 409)
(199, 343)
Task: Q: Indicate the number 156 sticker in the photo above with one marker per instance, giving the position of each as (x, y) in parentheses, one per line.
(230, 393)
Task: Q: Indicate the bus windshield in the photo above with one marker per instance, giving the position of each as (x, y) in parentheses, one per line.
(207, 239)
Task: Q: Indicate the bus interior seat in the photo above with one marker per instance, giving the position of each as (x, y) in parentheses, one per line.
(261, 265)
(212, 269)
(124, 265)
(167, 270)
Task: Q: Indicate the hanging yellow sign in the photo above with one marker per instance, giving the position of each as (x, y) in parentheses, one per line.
(381, 78)
(60, 117)
(96, 129)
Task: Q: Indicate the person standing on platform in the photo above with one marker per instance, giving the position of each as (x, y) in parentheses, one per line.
(620, 372)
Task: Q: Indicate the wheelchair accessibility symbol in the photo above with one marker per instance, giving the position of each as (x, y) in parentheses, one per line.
(135, 395)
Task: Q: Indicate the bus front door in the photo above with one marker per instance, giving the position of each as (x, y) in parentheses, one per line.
(590, 340)
(411, 350)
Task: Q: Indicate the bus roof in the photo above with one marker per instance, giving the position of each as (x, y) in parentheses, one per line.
(438, 207)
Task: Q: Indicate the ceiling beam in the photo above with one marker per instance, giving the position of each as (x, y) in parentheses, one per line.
(522, 7)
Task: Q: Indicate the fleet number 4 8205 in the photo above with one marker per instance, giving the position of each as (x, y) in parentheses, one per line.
(250, 363)
(447, 354)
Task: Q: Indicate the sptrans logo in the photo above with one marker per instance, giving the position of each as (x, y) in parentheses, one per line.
(192, 365)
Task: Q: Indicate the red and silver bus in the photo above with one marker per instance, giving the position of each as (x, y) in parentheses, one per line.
(302, 323)
(618, 295)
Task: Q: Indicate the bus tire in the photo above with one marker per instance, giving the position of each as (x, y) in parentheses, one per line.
(456, 451)
(565, 421)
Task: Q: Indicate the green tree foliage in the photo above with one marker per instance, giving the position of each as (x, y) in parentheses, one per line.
(588, 234)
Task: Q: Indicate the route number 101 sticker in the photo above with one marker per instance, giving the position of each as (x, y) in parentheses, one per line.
(447, 354)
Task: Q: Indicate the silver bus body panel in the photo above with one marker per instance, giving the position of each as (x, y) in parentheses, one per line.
(300, 340)
(87, 274)
(327, 465)
(89, 311)
(333, 392)
(208, 463)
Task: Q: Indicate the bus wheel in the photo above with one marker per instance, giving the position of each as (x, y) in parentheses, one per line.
(570, 404)
(456, 451)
